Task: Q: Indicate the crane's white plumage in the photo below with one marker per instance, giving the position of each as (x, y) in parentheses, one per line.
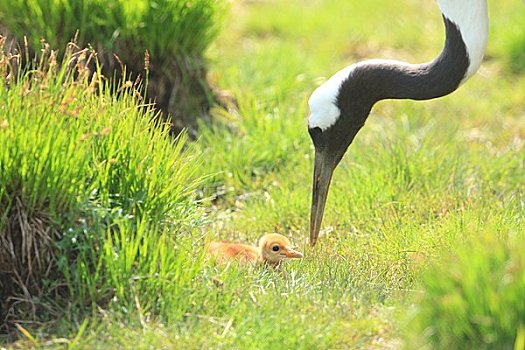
(323, 109)
(472, 20)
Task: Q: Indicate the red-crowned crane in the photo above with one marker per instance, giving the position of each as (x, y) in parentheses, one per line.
(341, 105)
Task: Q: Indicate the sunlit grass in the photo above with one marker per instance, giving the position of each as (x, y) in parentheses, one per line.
(420, 184)
(420, 179)
(93, 189)
(165, 28)
(479, 304)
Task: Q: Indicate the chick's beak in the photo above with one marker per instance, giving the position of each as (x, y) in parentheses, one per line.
(323, 169)
(292, 254)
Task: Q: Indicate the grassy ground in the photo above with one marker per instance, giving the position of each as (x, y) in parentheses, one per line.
(420, 180)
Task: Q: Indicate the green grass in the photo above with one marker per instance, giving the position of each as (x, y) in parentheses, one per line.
(166, 28)
(479, 304)
(422, 183)
(162, 40)
(94, 174)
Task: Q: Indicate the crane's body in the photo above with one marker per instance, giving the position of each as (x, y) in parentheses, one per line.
(340, 106)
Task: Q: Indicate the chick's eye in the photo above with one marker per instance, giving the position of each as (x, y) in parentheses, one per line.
(275, 248)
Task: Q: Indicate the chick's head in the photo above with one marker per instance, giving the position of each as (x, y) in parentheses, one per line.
(276, 248)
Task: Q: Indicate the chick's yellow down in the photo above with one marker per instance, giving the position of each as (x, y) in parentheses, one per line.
(272, 250)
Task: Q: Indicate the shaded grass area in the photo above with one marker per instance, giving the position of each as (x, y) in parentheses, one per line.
(421, 184)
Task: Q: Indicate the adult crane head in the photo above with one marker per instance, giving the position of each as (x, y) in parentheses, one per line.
(340, 106)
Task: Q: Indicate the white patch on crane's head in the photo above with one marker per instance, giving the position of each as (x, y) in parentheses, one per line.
(472, 20)
(323, 102)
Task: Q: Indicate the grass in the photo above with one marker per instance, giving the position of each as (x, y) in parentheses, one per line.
(164, 40)
(165, 28)
(480, 303)
(428, 202)
(91, 184)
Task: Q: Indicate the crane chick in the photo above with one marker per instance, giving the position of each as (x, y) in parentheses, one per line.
(273, 248)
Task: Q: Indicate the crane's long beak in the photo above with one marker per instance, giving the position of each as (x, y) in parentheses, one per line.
(323, 169)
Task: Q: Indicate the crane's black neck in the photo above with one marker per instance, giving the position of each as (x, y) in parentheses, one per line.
(372, 81)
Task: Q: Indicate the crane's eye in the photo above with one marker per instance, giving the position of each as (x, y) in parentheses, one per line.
(315, 132)
(276, 248)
